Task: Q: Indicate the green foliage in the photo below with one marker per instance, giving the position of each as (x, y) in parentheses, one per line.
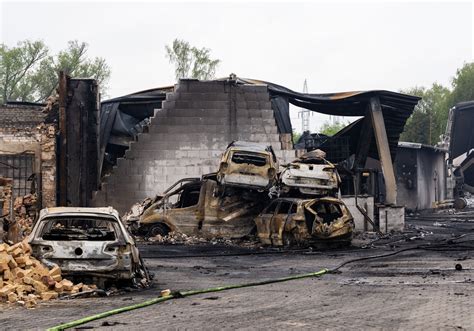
(330, 129)
(29, 73)
(463, 84)
(295, 136)
(428, 120)
(190, 61)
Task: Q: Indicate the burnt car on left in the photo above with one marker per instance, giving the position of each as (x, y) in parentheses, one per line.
(88, 243)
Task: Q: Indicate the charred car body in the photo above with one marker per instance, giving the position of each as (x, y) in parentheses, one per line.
(311, 174)
(248, 165)
(195, 207)
(292, 221)
(87, 243)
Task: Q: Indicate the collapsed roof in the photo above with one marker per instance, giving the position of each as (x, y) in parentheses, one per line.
(124, 117)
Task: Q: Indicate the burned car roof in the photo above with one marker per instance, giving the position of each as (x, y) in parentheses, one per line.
(79, 210)
(251, 146)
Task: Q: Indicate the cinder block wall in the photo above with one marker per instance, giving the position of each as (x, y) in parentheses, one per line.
(187, 137)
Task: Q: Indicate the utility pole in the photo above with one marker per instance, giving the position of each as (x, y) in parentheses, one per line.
(304, 113)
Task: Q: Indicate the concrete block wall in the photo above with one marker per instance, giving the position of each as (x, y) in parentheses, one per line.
(366, 203)
(187, 136)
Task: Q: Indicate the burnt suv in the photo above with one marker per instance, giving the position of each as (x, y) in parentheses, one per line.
(248, 165)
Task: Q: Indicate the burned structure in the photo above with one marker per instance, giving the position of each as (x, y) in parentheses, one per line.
(421, 175)
(27, 151)
(134, 147)
(197, 119)
(459, 139)
(187, 135)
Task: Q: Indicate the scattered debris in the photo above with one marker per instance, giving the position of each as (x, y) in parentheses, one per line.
(165, 293)
(25, 280)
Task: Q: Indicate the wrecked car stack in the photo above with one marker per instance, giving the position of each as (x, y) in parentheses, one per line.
(229, 204)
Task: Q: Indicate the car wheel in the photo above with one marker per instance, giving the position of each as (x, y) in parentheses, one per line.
(158, 229)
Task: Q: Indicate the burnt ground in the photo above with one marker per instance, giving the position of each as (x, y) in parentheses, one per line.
(413, 289)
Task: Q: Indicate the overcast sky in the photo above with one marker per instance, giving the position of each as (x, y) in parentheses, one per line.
(335, 46)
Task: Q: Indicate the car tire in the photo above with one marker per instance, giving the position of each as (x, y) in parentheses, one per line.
(158, 229)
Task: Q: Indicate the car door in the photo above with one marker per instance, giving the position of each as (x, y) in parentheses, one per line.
(278, 222)
(263, 222)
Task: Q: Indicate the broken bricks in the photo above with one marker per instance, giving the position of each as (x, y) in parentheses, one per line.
(25, 280)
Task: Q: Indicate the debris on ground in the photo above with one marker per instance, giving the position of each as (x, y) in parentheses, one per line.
(177, 238)
(26, 281)
(137, 210)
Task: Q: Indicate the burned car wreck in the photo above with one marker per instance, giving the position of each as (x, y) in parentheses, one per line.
(248, 165)
(291, 221)
(88, 243)
(311, 174)
(214, 207)
(196, 207)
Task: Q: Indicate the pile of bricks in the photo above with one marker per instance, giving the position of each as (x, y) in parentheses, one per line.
(25, 212)
(25, 280)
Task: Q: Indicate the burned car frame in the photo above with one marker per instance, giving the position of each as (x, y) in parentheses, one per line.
(87, 243)
(248, 165)
(292, 221)
(194, 207)
(311, 174)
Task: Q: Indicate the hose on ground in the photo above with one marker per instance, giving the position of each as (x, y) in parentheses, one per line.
(181, 294)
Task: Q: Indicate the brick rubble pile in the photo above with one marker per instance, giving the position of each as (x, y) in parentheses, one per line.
(26, 281)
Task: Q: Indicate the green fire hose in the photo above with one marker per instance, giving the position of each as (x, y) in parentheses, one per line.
(179, 294)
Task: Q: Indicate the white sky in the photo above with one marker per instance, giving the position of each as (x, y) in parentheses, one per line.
(336, 46)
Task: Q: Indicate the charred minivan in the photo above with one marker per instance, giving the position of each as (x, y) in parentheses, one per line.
(248, 165)
(303, 222)
(191, 206)
(86, 242)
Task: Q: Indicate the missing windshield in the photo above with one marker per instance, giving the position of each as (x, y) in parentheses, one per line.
(249, 158)
(79, 228)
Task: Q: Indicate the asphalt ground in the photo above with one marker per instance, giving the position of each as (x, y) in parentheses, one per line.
(414, 289)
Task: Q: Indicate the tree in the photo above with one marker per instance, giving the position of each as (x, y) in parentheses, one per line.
(330, 129)
(190, 61)
(29, 73)
(295, 136)
(463, 84)
(429, 117)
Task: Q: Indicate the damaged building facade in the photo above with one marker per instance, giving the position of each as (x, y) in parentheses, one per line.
(190, 125)
(28, 151)
(134, 147)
